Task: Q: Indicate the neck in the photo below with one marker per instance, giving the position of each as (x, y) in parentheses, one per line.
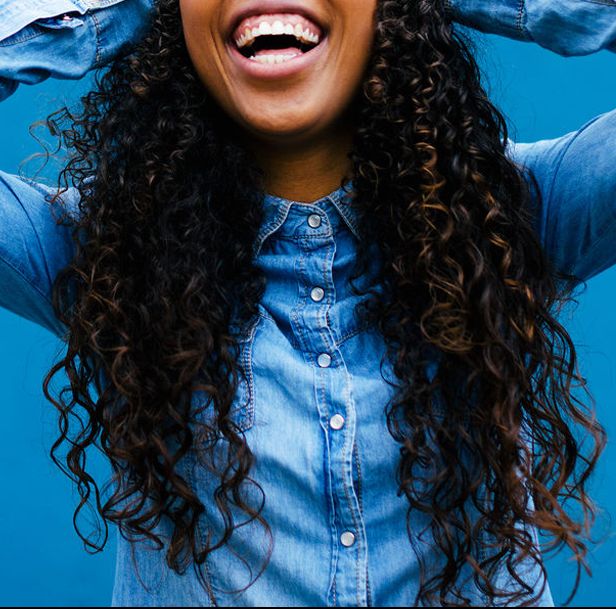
(305, 171)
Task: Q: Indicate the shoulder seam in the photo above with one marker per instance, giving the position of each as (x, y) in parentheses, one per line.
(561, 157)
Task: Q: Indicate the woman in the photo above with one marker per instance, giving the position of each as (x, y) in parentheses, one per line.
(308, 291)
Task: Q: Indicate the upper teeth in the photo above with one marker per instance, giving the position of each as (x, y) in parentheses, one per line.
(278, 28)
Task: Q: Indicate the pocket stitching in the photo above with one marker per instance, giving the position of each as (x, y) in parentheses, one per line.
(246, 421)
(247, 417)
(209, 579)
(243, 416)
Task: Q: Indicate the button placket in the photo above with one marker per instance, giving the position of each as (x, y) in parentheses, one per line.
(336, 411)
(316, 249)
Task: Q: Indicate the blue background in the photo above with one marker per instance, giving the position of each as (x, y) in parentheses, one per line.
(42, 562)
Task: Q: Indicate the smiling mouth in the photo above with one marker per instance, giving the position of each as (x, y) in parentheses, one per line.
(272, 39)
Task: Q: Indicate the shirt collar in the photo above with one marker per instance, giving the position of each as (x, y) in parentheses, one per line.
(276, 210)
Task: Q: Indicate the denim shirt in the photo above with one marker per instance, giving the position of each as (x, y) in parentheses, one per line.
(311, 405)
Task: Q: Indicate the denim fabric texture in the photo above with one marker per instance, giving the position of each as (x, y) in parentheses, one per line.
(312, 403)
(568, 27)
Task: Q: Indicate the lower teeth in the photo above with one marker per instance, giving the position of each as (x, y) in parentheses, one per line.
(273, 58)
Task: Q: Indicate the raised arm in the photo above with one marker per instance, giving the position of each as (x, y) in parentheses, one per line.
(576, 173)
(61, 39)
(567, 27)
(38, 40)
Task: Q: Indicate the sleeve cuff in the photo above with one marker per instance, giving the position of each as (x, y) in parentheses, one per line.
(502, 17)
(120, 27)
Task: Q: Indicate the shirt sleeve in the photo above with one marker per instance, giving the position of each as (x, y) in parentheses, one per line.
(41, 39)
(65, 39)
(34, 247)
(576, 179)
(567, 27)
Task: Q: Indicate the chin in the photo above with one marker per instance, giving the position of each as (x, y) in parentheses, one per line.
(283, 129)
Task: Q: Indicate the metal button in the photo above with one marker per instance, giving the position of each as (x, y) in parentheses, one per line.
(314, 220)
(324, 360)
(347, 539)
(317, 294)
(336, 422)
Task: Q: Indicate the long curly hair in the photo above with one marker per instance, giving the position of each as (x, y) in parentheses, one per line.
(493, 445)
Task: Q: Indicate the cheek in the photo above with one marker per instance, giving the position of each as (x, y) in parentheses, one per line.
(198, 22)
(205, 58)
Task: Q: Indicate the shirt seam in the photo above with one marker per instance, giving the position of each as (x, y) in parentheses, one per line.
(354, 332)
(292, 339)
(559, 162)
(28, 282)
(97, 28)
(353, 517)
(346, 216)
(12, 40)
(295, 238)
(266, 315)
(564, 151)
(35, 232)
(520, 18)
(209, 580)
(297, 311)
(247, 421)
(347, 473)
(271, 227)
(22, 35)
(100, 4)
(323, 413)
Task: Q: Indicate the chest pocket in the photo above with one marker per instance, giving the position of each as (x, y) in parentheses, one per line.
(242, 411)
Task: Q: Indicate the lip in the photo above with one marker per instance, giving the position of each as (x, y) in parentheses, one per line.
(252, 8)
(265, 71)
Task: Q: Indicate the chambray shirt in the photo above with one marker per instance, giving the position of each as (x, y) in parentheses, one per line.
(312, 406)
